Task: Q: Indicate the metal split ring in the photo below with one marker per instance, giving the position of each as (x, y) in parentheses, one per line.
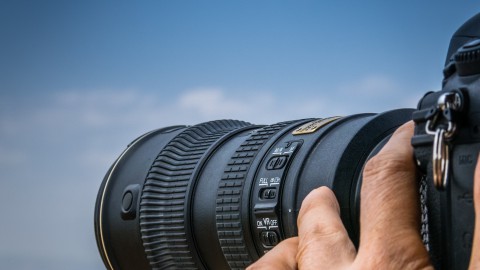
(440, 160)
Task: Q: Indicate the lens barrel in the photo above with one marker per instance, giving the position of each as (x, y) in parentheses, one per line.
(219, 195)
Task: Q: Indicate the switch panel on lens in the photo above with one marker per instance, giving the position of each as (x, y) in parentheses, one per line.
(268, 187)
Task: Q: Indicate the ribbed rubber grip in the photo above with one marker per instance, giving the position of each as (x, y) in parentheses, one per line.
(163, 204)
(229, 223)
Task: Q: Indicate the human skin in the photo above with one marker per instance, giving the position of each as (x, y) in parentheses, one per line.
(389, 220)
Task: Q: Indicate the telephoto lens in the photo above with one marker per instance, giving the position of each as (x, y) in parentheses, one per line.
(220, 194)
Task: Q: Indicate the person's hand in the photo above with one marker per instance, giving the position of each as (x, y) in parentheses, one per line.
(389, 220)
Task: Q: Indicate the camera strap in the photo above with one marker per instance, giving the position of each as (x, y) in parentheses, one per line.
(424, 231)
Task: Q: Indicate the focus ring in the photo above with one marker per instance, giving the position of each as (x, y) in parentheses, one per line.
(229, 224)
(163, 205)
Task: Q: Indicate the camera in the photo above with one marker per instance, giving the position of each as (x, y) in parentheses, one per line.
(446, 143)
(220, 194)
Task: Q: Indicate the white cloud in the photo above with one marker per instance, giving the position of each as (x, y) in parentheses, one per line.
(100, 117)
(374, 93)
(96, 118)
(215, 103)
(211, 102)
(371, 85)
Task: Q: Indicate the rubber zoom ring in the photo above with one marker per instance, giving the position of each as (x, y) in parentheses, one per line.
(228, 215)
(163, 204)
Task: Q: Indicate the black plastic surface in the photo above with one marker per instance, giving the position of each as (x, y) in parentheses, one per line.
(467, 59)
(163, 208)
(468, 31)
(119, 240)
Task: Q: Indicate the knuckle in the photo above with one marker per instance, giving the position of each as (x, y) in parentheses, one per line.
(385, 164)
(324, 229)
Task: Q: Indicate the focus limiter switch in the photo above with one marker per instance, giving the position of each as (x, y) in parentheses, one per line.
(269, 238)
(276, 163)
(268, 193)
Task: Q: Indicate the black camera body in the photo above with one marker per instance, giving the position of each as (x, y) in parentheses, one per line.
(447, 144)
(220, 194)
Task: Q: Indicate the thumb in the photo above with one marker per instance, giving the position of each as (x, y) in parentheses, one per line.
(323, 240)
(282, 257)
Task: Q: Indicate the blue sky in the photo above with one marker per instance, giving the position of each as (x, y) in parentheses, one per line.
(80, 79)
